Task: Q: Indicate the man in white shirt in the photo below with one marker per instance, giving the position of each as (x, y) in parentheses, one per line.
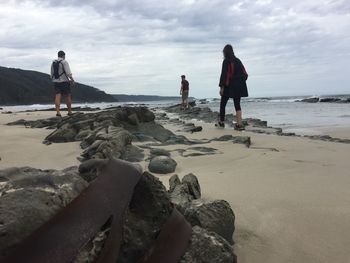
(62, 79)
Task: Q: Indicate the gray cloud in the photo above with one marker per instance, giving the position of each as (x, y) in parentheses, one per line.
(143, 47)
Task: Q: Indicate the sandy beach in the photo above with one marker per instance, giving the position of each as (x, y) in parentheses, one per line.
(290, 195)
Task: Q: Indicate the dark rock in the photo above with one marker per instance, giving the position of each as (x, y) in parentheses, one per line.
(216, 216)
(181, 196)
(208, 247)
(133, 154)
(193, 185)
(162, 165)
(196, 129)
(157, 131)
(223, 138)
(133, 119)
(255, 122)
(29, 197)
(46, 142)
(330, 100)
(242, 140)
(310, 100)
(18, 122)
(159, 152)
(203, 149)
(173, 182)
(64, 134)
(178, 139)
(139, 137)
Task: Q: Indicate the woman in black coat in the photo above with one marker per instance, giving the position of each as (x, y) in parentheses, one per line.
(232, 85)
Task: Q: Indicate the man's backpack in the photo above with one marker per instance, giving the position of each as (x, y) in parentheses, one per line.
(56, 66)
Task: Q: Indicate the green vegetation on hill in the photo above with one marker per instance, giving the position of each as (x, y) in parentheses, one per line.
(21, 87)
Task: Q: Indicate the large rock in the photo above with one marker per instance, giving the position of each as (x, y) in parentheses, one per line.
(181, 196)
(162, 165)
(216, 216)
(149, 209)
(173, 182)
(193, 185)
(208, 247)
(29, 197)
(65, 133)
(330, 100)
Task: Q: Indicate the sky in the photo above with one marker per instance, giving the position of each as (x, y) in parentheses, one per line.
(142, 47)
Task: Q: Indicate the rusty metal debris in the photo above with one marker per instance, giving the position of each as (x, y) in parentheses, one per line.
(172, 241)
(104, 200)
(60, 239)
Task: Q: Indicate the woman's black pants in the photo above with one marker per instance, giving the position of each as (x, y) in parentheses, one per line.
(223, 102)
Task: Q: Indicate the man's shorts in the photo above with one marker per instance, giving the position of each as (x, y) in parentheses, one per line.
(62, 88)
(185, 94)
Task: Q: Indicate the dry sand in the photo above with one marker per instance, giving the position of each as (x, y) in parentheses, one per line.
(291, 205)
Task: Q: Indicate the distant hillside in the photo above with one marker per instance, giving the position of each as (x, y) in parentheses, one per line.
(126, 98)
(21, 87)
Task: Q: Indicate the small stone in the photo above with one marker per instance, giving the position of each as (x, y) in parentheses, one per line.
(162, 165)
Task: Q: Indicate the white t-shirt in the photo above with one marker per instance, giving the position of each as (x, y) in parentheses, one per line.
(63, 71)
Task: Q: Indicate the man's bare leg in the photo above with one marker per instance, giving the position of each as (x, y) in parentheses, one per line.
(58, 103)
(69, 103)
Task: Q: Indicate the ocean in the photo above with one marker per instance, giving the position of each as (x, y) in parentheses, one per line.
(285, 112)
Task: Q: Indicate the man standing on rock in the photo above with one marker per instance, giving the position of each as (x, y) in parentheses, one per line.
(62, 79)
(184, 91)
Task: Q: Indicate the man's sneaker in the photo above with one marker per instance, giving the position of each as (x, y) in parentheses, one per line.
(220, 124)
(70, 113)
(58, 114)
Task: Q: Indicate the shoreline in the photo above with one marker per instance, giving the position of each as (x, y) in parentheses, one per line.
(290, 204)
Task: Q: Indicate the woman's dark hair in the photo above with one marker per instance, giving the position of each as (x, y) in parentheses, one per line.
(228, 52)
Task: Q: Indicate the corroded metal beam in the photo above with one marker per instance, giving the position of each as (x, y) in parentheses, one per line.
(60, 239)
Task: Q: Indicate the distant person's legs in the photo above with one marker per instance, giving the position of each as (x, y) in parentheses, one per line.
(186, 99)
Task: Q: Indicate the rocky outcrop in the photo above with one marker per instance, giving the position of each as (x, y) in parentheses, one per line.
(29, 197)
(310, 100)
(218, 249)
(216, 216)
(330, 100)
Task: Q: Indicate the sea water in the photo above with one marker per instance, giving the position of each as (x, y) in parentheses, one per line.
(284, 112)
(292, 115)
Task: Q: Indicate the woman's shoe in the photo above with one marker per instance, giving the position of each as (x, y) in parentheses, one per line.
(220, 124)
(239, 127)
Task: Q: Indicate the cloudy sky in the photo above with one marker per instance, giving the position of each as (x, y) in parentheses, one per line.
(142, 47)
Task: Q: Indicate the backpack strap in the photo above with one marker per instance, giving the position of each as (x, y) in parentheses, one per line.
(64, 72)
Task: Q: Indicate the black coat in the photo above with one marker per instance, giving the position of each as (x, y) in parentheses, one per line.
(233, 78)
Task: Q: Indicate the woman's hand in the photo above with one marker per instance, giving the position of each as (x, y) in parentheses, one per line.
(221, 91)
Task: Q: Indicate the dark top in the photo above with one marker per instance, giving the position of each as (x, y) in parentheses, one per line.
(185, 85)
(233, 78)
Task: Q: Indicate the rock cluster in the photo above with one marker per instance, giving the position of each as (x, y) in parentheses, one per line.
(30, 196)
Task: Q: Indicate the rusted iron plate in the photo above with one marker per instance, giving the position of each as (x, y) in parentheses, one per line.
(60, 239)
(172, 241)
